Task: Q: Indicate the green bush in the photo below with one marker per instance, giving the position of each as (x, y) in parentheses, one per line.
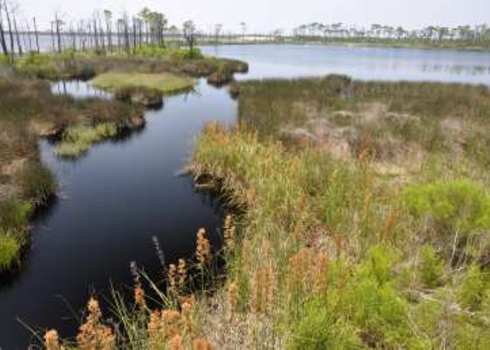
(37, 65)
(472, 290)
(4, 59)
(375, 306)
(9, 251)
(180, 54)
(455, 216)
(458, 205)
(321, 328)
(431, 267)
(14, 215)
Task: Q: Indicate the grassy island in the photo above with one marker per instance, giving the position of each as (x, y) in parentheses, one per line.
(165, 83)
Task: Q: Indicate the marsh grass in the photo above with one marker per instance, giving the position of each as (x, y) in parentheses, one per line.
(9, 251)
(324, 242)
(394, 118)
(78, 139)
(164, 83)
(86, 65)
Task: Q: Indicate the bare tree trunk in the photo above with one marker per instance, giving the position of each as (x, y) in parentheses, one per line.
(134, 35)
(58, 32)
(73, 38)
(140, 29)
(109, 35)
(17, 36)
(29, 39)
(2, 34)
(11, 33)
(126, 35)
(36, 33)
(53, 40)
(96, 36)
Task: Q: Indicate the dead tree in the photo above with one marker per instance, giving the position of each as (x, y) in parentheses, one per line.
(2, 33)
(36, 34)
(189, 31)
(59, 23)
(108, 24)
(29, 38)
(11, 32)
(17, 36)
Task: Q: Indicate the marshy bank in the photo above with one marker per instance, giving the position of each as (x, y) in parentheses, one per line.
(31, 108)
(112, 202)
(330, 251)
(367, 218)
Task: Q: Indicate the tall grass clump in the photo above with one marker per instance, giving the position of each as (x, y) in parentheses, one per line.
(9, 251)
(324, 243)
(14, 217)
(77, 140)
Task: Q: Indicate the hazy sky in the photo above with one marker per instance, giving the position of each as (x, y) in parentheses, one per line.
(265, 15)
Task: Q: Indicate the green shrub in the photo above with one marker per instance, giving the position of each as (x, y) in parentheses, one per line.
(14, 215)
(459, 205)
(374, 304)
(431, 267)
(456, 215)
(321, 328)
(379, 264)
(37, 65)
(4, 59)
(180, 54)
(9, 251)
(472, 289)
(78, 139)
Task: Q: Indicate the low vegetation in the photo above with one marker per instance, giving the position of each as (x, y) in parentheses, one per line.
(164, 83)
(327, 251)
(147, 60)
(79, 138)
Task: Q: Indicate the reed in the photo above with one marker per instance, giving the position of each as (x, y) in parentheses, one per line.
(323, 241)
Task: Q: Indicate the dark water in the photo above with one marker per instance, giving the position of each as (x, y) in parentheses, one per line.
(112, 202)
(115, 199)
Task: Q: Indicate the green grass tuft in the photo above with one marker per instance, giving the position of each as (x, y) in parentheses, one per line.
(9, 251)
(164, 82)
(77, 140)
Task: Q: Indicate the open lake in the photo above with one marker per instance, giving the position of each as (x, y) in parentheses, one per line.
(114, 200)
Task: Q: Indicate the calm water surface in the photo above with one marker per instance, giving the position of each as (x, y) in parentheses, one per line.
(290, 61)
(122, 193)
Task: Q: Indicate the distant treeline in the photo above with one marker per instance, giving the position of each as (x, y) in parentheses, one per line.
(102, 32)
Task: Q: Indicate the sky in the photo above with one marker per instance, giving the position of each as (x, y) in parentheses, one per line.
(268, 15)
